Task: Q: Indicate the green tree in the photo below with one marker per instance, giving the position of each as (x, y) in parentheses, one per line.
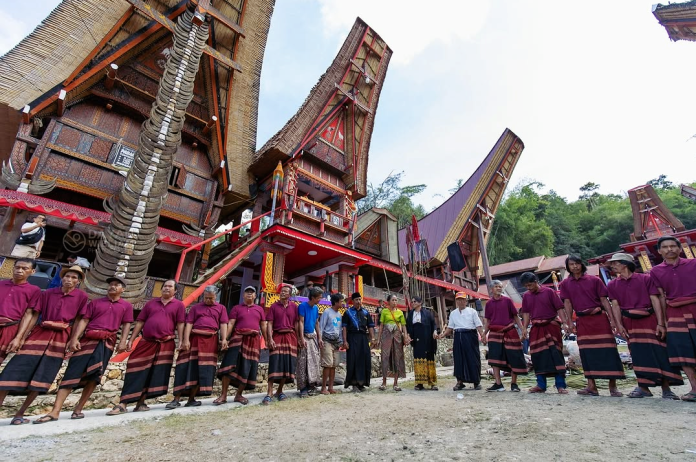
(661, 183)
(519, 229)
(389, 194)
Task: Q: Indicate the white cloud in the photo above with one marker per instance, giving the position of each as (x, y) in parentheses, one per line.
(408, 26)
(13, 30)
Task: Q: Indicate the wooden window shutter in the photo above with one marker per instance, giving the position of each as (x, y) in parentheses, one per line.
(181, 178)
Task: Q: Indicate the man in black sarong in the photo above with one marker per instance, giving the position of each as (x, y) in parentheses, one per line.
(357, 324)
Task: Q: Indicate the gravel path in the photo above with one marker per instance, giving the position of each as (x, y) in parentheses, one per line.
(377, 426)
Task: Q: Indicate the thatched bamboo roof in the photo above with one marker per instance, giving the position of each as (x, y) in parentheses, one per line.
(325, 96)
(79, 36)
(678, 19)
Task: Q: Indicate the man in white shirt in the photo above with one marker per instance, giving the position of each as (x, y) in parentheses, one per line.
(465, 323)
(79, 261)
(30, 242)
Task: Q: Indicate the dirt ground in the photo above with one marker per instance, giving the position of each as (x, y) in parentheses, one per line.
(378, 425)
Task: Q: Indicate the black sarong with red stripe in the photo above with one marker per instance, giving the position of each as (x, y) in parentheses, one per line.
(649, 354)
(8, 331)
(241, 360)
(37, 363)
(681, 332)
(505, 349)
(148, 369)
(282, 361)
(467, 356)
(196, 366)
(546, 347)
(89, 364)
(598, 352)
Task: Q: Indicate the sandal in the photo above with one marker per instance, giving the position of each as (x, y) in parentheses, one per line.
(669, 394)
(638, 393)
(193, 403)
(537, 389)
(241, 400)
(45, 419)
(266, 400)
(141, 408)
(282, 397)
(382, 387)
(118, 410)
(334, 392)
(172, 405)
(434, 388)
(325, 392)
(587, 392)
(615, 394)
(303, 394)
(19, 421)
(563, 391)
(397, 388)
(690, 396)
(219, 401)
(419, 387)
(77, 416)
(459, 386)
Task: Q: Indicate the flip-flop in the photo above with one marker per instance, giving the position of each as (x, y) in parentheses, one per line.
(562, 391)
(670, 395)
(172, 405)
(141, 408)
(77, 416)
(282, 397)
(266, 400)
(19, 421)
(45, 419)
(241, 400)
(219, 401)
(615, 394)
(333, 392)
(459, 387)
(587, 392)
(325, 392)
(193, 403)
(382, 387)
(537, 389)
(638, 393)
(690, 397)
(117, 410)
(396, 388)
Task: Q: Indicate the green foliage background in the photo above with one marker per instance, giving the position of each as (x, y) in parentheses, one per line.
(531, 222)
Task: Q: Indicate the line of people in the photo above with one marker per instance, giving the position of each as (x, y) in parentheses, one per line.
(654, 312)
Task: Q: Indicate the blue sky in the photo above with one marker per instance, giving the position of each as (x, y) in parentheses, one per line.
(595, 89)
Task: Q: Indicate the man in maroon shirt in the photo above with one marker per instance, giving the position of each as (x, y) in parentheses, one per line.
(150, 363)
(240, 364)
(16, 295)
(587, 295)
(541, 306)
(41, 348)
(197, 361)
(99, 322)
(676, 279)
(504, 345)
(282, 332)
(639, 318)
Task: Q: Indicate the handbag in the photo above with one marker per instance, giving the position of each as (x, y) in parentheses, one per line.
(29, 239)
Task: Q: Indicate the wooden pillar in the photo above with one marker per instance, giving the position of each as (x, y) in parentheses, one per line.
(278, 268)
(484, 254)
